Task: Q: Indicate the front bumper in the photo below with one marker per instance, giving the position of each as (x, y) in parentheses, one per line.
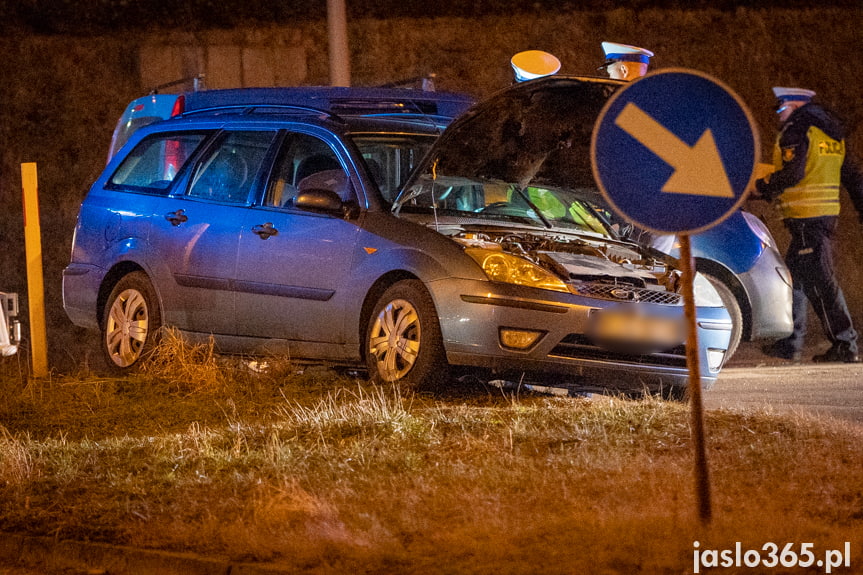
(472, 317)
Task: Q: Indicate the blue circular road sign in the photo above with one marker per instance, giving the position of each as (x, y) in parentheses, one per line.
(675, 151)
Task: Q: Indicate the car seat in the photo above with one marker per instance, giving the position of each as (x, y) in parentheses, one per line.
(322, 172)
(314, 164)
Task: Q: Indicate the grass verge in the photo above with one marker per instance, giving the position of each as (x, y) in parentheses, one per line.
(326, 473)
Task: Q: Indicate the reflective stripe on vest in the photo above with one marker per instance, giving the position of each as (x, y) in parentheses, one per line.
(817, 194)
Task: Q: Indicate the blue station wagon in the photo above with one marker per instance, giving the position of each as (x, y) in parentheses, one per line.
(352, 226)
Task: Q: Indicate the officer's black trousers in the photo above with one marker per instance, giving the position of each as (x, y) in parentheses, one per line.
(810, 261)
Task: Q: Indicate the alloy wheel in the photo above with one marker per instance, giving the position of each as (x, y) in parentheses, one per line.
(395, 339)
(127, 327)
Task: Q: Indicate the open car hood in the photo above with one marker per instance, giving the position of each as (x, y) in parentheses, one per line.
(534, 133)
(512, 182)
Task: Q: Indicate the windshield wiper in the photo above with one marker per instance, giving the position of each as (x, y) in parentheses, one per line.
(535, 209)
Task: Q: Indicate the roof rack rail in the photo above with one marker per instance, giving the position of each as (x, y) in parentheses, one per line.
(197, 84)
(249, 108)
(426, 82)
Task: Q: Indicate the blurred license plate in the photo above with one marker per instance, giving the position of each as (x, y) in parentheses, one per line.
(628, 327)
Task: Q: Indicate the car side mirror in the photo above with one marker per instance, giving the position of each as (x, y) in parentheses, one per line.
(319, 200)
(325, 201)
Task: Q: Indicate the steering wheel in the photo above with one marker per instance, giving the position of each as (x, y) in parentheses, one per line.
(494, 206)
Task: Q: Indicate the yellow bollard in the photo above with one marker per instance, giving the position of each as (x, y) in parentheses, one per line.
(35, 284)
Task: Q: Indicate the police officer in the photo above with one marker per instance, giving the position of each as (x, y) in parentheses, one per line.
(811, 163)
(625, 62)
(532, 64)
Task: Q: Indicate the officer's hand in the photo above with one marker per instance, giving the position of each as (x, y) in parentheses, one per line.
(760, 191)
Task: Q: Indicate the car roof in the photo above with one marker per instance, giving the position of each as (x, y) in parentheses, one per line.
(276, 117)
(335, 100)
(339, 109)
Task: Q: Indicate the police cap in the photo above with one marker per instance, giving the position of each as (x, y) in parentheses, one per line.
(615, 52)
(793, 94)
(532, 64)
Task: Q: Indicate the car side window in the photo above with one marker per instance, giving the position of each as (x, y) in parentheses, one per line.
(228, 172)
(391, 159)
(305, 162)
(154, 163)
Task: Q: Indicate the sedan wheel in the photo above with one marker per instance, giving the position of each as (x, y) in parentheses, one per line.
(403, 339)
(131, 322)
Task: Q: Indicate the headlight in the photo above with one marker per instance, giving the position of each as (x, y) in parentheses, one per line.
(759, 229)
(503, 267)
(705, 294)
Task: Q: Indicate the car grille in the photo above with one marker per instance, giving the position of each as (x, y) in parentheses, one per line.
(616, 292)
(577, 346)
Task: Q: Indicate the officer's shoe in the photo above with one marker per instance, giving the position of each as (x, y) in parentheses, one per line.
(838, 353)
(782, 349)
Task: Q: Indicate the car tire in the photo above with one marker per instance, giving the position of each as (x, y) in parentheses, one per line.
(131, 322)
(733, 307)
(403, 341)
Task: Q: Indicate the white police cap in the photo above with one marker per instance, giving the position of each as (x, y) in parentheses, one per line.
(615, 52)
(532, 64)
(793, 94)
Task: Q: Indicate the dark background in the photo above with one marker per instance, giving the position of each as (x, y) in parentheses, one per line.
(100, 16)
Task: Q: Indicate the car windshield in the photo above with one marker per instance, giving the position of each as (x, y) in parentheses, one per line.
(486, 200)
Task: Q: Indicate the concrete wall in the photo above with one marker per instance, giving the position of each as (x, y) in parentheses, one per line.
(276, 57)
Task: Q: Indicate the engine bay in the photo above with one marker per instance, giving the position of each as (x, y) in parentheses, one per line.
(581, 259)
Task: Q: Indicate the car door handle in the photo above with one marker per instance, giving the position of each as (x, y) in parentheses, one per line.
(177, 218)
(265, 230)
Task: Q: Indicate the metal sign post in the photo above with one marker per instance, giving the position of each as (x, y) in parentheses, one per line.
(674, 152)
(696, 405)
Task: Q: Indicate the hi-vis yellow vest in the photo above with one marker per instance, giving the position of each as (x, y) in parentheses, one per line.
(817, 194)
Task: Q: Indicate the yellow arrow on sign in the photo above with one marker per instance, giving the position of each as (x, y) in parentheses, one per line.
(698, 169)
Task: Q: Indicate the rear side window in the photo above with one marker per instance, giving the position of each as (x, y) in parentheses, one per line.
(229, 171)
(154, 163)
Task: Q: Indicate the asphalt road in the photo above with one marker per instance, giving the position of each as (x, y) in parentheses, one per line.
(754, 381)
